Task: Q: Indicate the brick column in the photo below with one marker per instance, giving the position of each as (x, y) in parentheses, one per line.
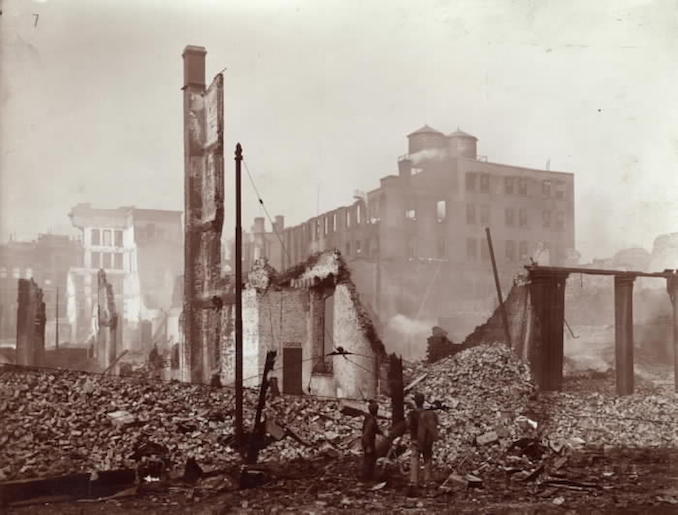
(623, 333)
(545, 348)
(672, 288)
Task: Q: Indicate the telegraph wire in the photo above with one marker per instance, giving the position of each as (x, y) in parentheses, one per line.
(268, 215)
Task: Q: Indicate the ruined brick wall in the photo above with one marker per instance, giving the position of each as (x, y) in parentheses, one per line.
(356, 375)
(107, 340)
(203, 218)
(518, 312)
(30, 327)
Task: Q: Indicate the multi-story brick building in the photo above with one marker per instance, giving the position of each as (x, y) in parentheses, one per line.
(416, 245)
(141, 251)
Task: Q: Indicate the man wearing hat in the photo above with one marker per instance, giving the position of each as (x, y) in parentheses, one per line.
(370, 431)
(423, 426)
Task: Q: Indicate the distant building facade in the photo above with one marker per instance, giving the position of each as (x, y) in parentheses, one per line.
(46, 261)
(141, 251)
(416, 245)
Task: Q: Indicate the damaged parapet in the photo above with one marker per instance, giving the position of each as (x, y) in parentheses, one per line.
(311, 315)
(30, 326)
(106, 346)
(203, 218)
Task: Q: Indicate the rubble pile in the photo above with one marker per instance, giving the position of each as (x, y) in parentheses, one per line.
(486, 390)
(599, 419)
(56, 422)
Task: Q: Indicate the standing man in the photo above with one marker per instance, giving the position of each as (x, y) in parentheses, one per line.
(423, 426)
(370, 431)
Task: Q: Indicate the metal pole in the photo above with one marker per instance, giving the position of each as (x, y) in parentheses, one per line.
(498, 285)
(258, 430)
(672, 288)
(57, 319)
(238, 300)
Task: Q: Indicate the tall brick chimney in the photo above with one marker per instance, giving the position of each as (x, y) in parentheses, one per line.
(194, 66)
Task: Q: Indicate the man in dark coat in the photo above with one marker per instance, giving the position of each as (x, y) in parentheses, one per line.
(369, 436)
(423, 425)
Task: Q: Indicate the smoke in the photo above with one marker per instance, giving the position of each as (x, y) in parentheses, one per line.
(429, 154)
(407, 336)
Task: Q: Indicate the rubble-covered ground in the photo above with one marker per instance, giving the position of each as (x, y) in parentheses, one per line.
(500, 443)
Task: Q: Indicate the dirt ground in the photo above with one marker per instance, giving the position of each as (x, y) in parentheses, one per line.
(617, 481)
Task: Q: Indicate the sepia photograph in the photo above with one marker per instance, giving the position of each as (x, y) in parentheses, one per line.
(322, 256)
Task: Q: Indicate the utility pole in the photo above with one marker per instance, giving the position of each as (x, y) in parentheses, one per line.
(56, 342)
(498, 285)
(238, 299)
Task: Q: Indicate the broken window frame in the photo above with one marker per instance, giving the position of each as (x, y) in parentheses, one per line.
(484, 183)
(348, 218)
(559, 190)
(470, 180)
(485, 214)
(357, 247)
(326, 223)
(522, 186)
(522, 217)
(358, 214)
(441, 211)
(334, 222)
(470, 214)
(471, 249)
(509, 183)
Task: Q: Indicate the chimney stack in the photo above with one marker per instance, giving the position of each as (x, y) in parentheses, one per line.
(194, 66)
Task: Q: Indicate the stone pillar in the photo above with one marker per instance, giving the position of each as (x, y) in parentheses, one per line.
(30, 327)
(545, 347)
(203, 217)
(107, 344)
(672, 288)
(623, 333)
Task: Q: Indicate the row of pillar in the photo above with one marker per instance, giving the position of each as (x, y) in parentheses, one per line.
(545, 350)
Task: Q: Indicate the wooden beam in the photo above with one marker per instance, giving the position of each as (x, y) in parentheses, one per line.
(599, 271)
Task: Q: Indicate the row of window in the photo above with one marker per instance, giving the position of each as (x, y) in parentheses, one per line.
(514, 217)
(480, 182)
(513, 250)
(107, 260)
(354, 215)
(440, 207)
(16, 273)
(107, 237)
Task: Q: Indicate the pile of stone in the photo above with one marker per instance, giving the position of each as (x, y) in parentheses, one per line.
(487, 390)
(606, 420)
(57, 422)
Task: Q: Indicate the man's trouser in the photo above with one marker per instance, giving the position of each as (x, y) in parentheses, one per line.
(369, 463)
(427, 452)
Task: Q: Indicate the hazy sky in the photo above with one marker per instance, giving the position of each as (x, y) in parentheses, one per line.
(322, 94)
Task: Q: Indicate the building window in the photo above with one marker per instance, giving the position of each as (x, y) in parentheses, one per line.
(348, 248)
(118, 238)
(522, 250)
(522, 217)
(546, 218)
(96, 237)
(107, 260)
(107, 238)
(471, 250)
(510, 250)
(96, 260)
(470, 214)
(560, 221)
(508, 185)
(441, 210)
(317, 229)
(327, 224)
(522, 187)
(560, 190)
(310, 231)
(348, 218)
(411, 214)
(546, 188)
(117, 261)
(484, 183)
(484, 250)
(509, 217)
(357, 247)
(485, 215)
(470, 181)
(334, 222)
(442, 249)
(411, 248)
(358, 215)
